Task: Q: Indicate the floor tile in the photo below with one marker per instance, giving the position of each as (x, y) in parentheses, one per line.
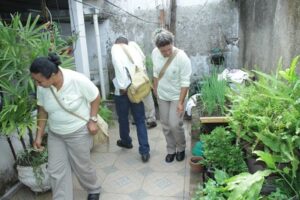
(124, 176)
(164, 184)
(123, 182)
(112, 196)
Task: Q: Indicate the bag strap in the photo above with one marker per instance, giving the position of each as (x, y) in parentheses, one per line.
(167, 63)
(60, 104)
(127, 53)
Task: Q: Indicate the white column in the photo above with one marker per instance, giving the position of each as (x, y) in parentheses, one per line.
(99, 55)
(78, 27)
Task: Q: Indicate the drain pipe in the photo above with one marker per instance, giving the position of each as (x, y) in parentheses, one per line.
(100, 65)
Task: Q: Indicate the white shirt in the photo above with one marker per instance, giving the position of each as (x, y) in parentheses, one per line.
(76, 94)
(175, 77)
(121, 62)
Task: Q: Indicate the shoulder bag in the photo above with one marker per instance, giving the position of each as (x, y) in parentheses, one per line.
(140, 85)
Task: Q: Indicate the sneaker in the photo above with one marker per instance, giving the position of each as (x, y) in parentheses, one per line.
(121, 144)
(151, 125)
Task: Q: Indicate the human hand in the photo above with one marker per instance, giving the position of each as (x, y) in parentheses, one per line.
(155, 92)
(37, 144)
(92, 127)
(180, 109)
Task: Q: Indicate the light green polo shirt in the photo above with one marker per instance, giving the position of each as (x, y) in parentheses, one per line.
(76, 94)
(176, 76)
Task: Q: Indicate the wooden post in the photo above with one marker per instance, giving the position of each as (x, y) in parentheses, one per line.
(162, 17)
(173, 17)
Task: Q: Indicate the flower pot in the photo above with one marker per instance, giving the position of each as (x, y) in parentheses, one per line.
(37, 182)
(195, 165)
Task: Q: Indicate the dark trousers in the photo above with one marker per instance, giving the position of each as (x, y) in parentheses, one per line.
(138, 112)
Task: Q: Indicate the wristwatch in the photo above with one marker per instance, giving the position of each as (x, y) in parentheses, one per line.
(94, 118)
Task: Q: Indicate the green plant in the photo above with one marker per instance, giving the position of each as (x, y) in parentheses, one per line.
(266, 114)
(288, 182)
(33, 158)
(213, 188)
(149, 66)
(220, 152)
(245, 185)
(20, 44)
(213, 96)
(106, 114)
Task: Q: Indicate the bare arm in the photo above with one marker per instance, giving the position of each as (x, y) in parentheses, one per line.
(92, 126)
(41, 124)
(183, 93)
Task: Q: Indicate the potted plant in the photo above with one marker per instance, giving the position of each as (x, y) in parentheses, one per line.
(32, 169)
(213, 96)
(195, 164)
(212, 101)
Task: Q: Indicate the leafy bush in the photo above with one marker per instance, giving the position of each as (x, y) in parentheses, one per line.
(267, 113)
(221, 153)
(213, 188)
(20, 44)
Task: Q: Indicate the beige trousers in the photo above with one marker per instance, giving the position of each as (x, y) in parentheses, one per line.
(149, 108)
(172, 124)
(71, 153)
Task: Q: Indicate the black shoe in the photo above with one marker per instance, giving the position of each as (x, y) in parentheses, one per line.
(180, 156)
(151, 125)
(93, 196)
(121, 144)
(145, 157)
(170, 157)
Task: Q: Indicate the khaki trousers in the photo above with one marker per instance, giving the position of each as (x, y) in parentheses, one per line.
(172, 124)
(149, 108)
(71, 153)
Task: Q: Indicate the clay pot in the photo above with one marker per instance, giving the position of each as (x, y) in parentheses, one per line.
(195, 165)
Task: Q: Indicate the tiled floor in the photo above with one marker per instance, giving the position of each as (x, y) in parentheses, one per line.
(125, 177)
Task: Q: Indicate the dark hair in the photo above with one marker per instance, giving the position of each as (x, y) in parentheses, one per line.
(121, 40)
(162, 37)
(46, 65)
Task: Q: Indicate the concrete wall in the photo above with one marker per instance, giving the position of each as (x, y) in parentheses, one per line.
(201, 25)
(269, 30)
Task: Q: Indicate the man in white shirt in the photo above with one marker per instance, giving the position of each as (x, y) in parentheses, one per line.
(148, 100)
(124, 68)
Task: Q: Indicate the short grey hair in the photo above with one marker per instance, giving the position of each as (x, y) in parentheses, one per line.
(162, 37)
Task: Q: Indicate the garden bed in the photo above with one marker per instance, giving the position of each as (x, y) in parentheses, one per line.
(213, 120)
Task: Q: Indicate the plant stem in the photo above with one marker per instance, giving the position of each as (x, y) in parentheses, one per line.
(11, 147)
(297, 194)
